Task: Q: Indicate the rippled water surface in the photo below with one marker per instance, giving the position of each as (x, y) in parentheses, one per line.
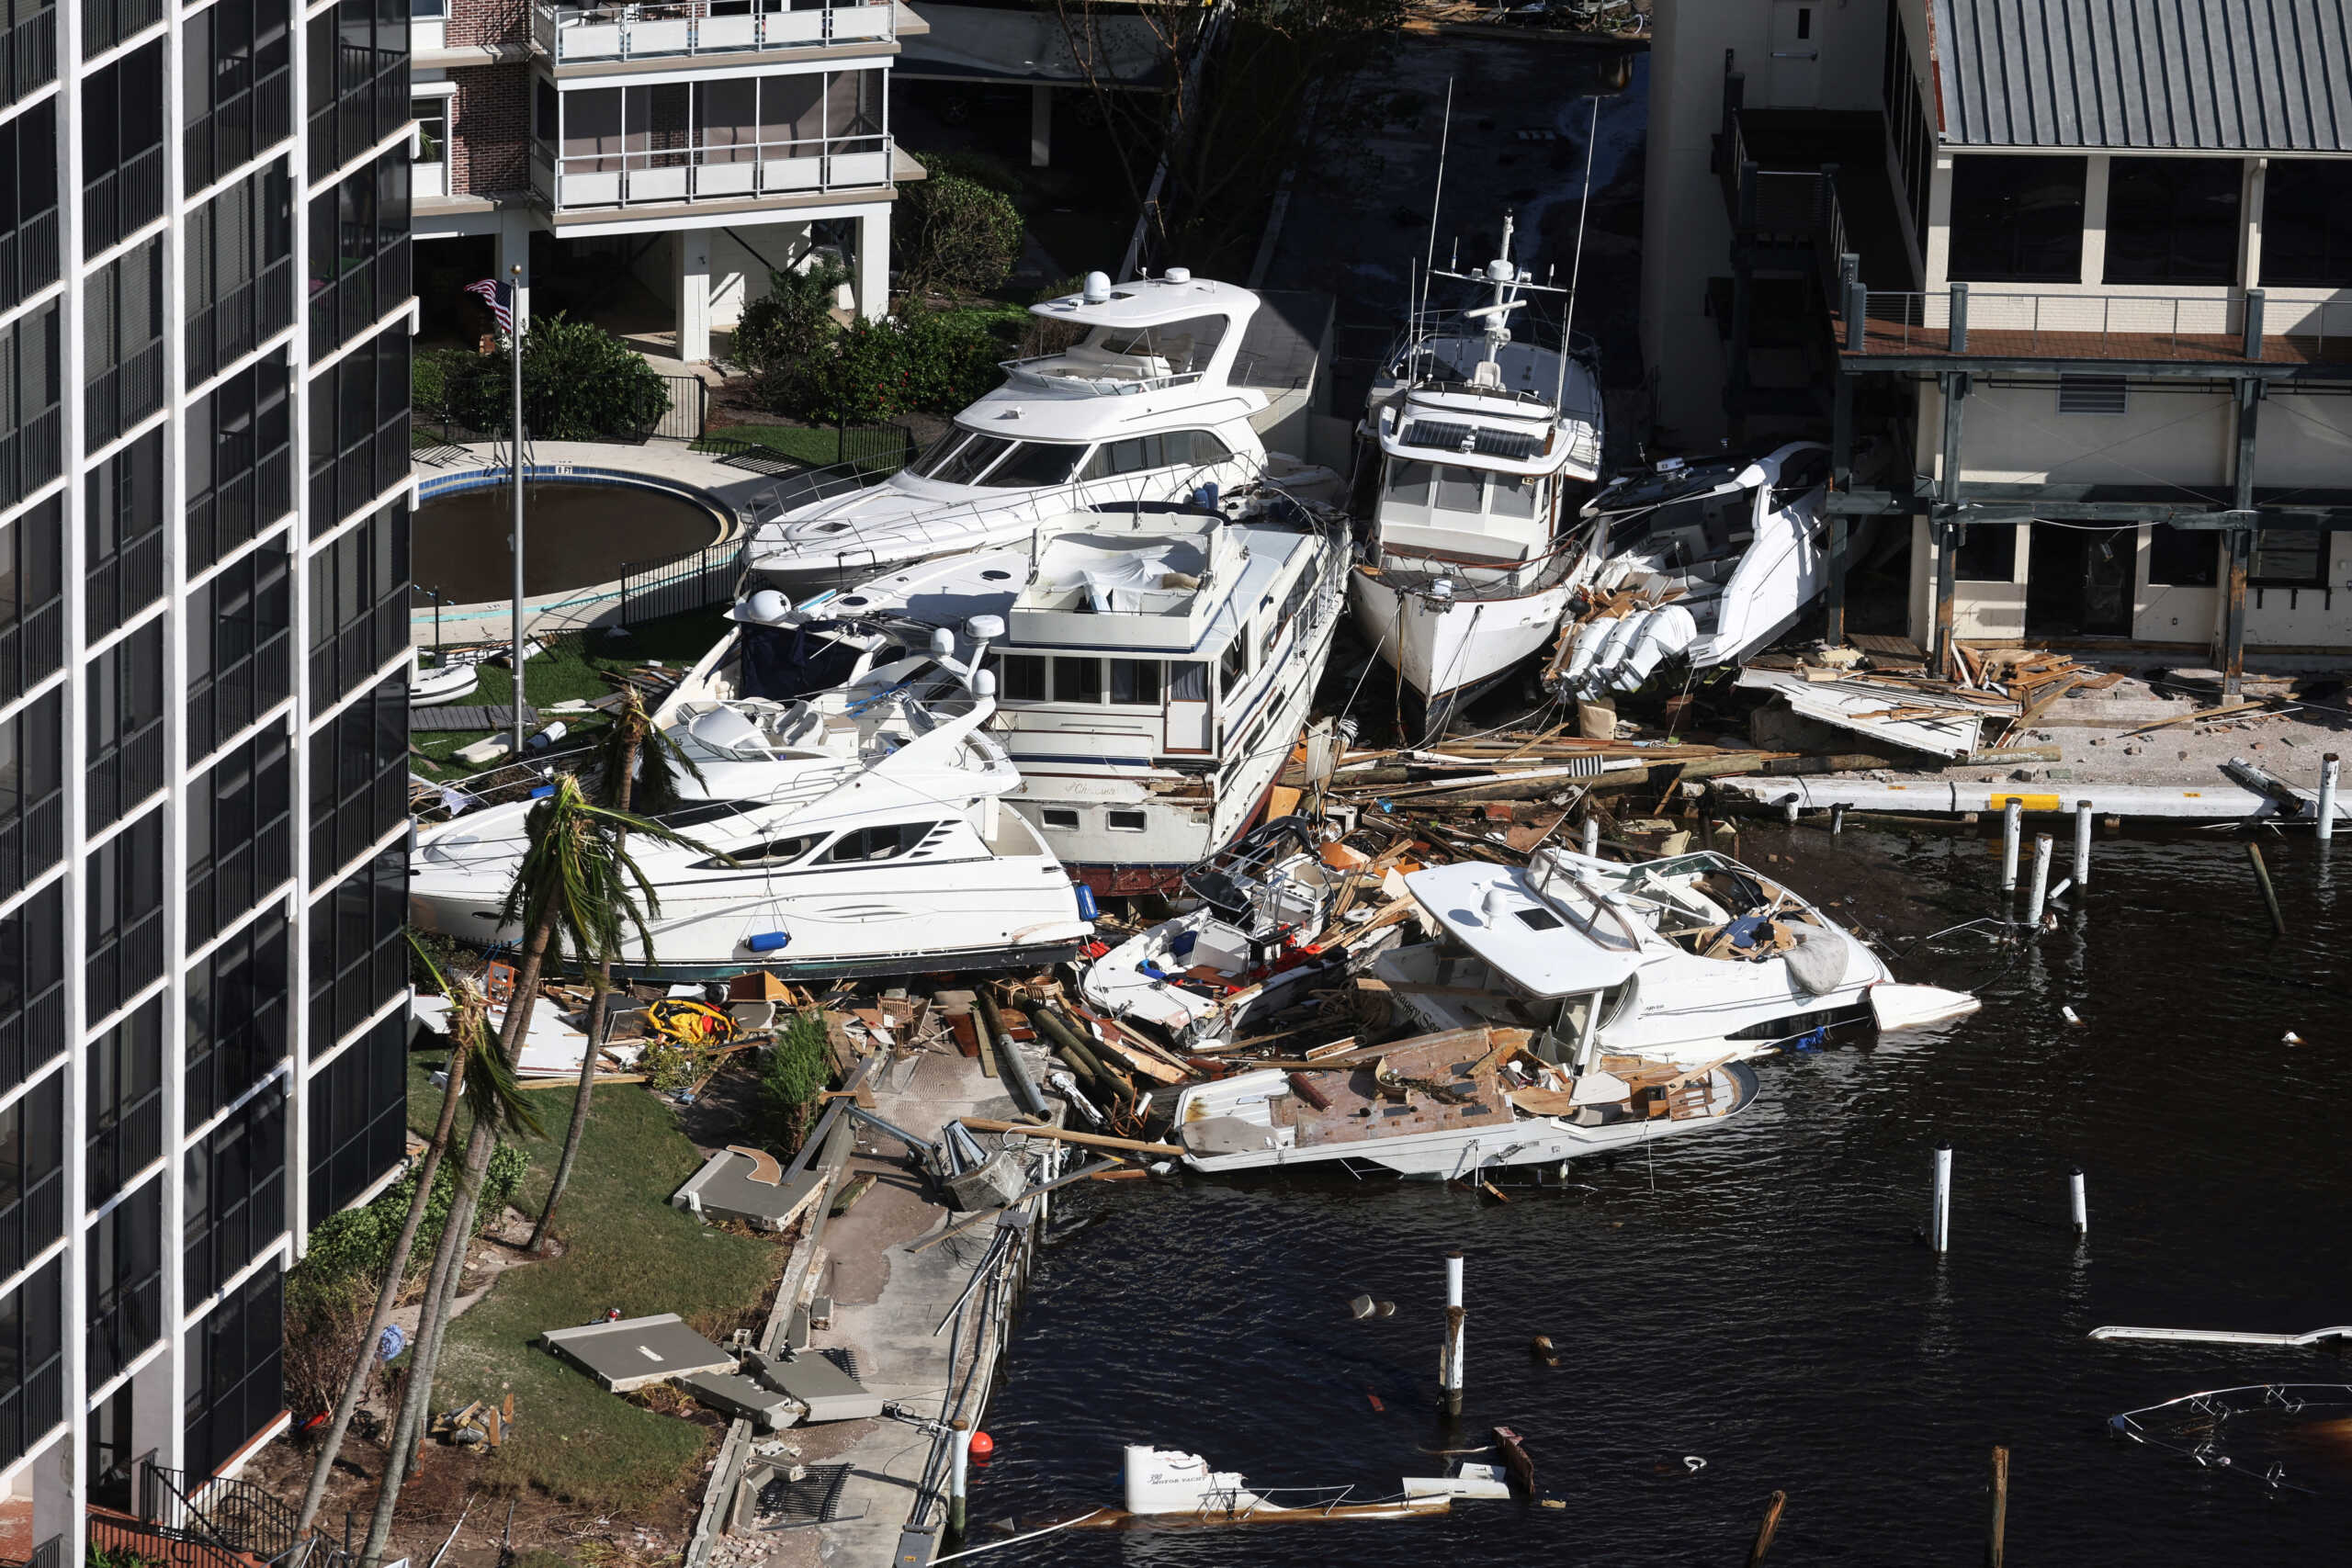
(1757, 1297)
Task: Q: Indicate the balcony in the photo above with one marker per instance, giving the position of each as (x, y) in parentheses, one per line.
(584, 35)
(741, 171)
(2214, 327)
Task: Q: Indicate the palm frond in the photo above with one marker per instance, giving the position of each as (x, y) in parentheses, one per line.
(490, 1086)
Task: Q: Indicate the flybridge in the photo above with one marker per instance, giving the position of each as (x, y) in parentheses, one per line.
(1144, 337)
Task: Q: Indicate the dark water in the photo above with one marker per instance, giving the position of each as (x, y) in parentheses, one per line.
(1757, 1297)
(574, 535)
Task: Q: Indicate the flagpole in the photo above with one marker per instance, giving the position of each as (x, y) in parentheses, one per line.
(515, 455)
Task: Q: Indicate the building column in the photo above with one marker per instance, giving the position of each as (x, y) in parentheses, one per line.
(1041, 126)
(2241, 540)
(513, 251)
(2095, 172)
(873, 263)
(1954, 386)
(1841, 480)
(694, 295)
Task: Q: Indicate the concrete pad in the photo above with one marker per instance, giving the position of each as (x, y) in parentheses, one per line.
(632, 1352)
(739, 1395)
(830, 1394)
(723, 1189)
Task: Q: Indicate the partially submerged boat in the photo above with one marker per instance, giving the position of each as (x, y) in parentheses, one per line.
(1485, 430)
(1677, 960)
(1157, 664)
(1453, 1105)
(1169, 1487)
(1697, 565)
(862, 832)
(1151, 401)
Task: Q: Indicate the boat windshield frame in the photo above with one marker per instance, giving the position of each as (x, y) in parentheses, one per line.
(1543, 878)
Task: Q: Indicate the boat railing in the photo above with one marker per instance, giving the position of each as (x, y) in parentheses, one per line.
(1032, 372)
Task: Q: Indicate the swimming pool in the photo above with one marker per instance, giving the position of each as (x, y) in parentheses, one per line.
(577, 534)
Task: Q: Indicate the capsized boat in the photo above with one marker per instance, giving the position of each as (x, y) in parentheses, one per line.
(1699, 565)
(1153, 401)
(862, 832)
(1678, 959)
(430, 685)
(1159, 662)
(1487, 435)
(1169, 1486)
(1453, 1105)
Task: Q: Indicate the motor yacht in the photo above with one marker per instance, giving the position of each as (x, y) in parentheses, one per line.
(1484, 428)
(1680, 959)
(860, 832)
(1155, 397)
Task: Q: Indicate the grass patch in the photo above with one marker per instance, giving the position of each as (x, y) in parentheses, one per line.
(626, 1247)
(817, 446)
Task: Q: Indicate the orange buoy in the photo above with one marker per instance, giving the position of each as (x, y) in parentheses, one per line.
(983, 1445)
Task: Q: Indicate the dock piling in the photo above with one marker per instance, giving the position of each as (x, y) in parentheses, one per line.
(1997, 1527)
(2328, 769)
(2078, 1201)
(1592, 838)
(963, 1440)
(1939, 1220)
(2041, 881)
(2082, 843)
(2012, 831)
(2269, 893)
(1768, 1528)
(1450, 1357)
(1836, 820)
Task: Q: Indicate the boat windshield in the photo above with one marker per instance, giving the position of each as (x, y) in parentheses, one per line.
(1184, 347)
(1584, 901)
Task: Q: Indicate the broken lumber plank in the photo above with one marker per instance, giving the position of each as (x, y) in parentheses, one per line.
(1065, 1136)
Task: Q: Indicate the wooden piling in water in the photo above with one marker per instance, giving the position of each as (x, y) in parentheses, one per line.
(2269, 893)
(1764, 1531)
(2329, 769)
(1996, 1528)
(1939, 1216)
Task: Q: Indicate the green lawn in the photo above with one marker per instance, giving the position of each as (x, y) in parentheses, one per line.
(817, 448)
(625, 1247)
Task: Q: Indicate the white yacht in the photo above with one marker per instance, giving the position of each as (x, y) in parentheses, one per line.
(1152, 401)
(1157, 666)
(1679, 960)
(1700, 563)
(1486, 429)
(861, 833)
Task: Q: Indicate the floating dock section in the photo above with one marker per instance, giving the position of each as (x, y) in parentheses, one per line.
(1942, 797)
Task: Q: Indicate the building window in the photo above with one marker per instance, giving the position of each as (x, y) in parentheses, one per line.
(2016, 219)
(28, 51)
(238, 97)
(2173, 220)
(432, 116)
(237, 1015)
(32, 792)
(240, 270)
(32, 1172)
(237, 1375)
(106, 23)
(358, 777)
(122, 145)
(123, 320)
(32, 595)
(358, 1117)
(32, 1341)
(124, 711)
(2285, 559)
(358, 78)
(32, 426)
(358, 960)
(236, 1193)
(359, 603)
(2183, 558)
(125, 1279)
(28, 203)
(32, 984)
(124, 932)
(239, 649)
(240, 460)
(1988, 553)
(360, 252)
(123, 1077)
(358, 416)
(240, 825)
(123, 535)
(2307, 223)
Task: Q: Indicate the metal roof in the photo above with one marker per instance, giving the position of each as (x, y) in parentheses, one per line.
(2198, 75)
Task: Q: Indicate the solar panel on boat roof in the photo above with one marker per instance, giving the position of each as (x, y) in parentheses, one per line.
(1515, 444)
(1442, 434)
(1447, 437)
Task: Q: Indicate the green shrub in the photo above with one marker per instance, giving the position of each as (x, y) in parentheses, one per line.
(955, 236)
(354, 1246)
(863, 380)
(791, 1078)
(951, 359)
(786, 333)
(580, 383)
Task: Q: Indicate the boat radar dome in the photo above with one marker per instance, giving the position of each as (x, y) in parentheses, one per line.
(1097, 289)
(943, 642)
(984, 628)
(1177, 274)
(1500, 271)
(1494, 906)
(984, 684)
(766, 605)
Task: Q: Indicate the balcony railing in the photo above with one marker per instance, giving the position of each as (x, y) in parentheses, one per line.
(572, 35)
(241, 319)
(741, 171)
(2246, 326)
(27, 258)
(28, 53)
(119, 398)
(123, 200)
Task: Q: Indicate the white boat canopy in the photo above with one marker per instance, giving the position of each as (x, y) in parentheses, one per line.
(1555, 935)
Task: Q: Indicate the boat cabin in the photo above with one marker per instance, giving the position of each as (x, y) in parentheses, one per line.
(1143, 336)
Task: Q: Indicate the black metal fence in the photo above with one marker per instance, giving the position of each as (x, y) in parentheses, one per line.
(687, 409)
(689, 405)
(675, 584)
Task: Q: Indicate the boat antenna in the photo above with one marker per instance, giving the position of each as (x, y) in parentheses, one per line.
(1437, 198)
(1576, 267)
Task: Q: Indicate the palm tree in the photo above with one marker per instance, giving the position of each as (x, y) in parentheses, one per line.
(574, 892)
(632, 747)
(478, 1077)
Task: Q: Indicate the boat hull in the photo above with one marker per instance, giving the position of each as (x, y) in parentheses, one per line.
(1446, 653)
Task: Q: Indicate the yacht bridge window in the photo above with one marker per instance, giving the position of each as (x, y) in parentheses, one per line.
(970, 458)
(770, 852)
(1184, 347)
(864, 845)
(1171, 449)
(1695, 527)
(1447, 487)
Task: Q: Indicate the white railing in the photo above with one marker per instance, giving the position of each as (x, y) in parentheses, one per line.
(733, 172)
(572, 35)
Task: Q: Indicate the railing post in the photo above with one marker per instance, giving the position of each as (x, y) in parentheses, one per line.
(1746, 217)
(2251, 325)
(1858, 304)
(1958, 338)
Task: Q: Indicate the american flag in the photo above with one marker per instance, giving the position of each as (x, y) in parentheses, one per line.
(496, 295)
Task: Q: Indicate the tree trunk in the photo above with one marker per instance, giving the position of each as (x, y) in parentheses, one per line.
(599, 1006)
(386, 1296)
